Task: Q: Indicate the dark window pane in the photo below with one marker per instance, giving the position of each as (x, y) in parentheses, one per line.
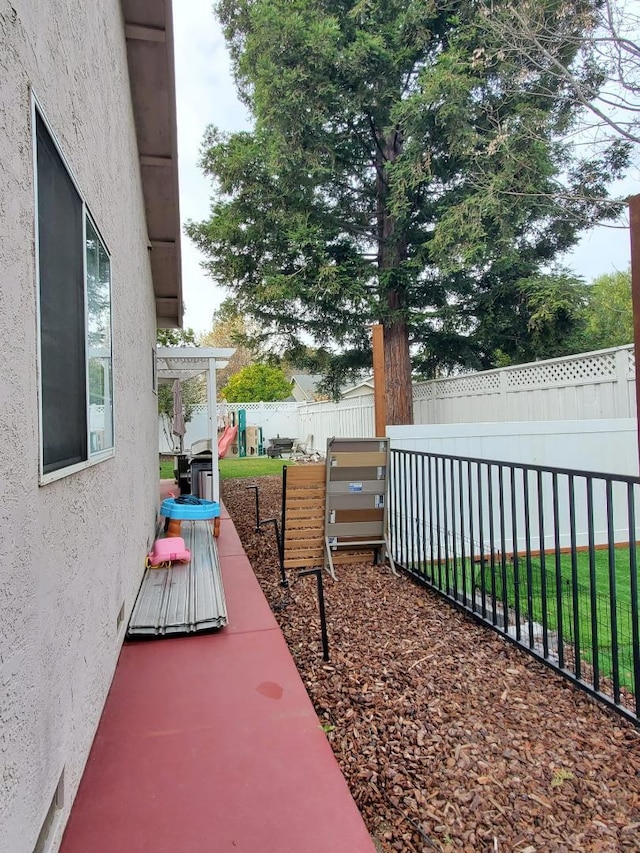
(62, 332)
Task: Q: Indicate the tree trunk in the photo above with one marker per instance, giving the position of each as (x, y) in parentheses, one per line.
(397, 368)
(392, 252)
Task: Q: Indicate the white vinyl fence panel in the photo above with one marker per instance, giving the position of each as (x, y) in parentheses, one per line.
(471, 523)
(590, 386)
(582, 387)
(349, 418)
(606, 445)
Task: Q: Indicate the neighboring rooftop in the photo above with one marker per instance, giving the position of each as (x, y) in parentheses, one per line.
(304, 386)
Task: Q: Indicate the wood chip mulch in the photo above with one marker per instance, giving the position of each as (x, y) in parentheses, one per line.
(449, 737)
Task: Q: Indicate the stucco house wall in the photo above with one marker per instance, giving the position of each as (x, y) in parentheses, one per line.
(72, 551)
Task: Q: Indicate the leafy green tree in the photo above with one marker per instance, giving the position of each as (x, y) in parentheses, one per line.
(608, 312)
(257, 383)
(402, 170)
(230, 329)
(545, 321)
(176, 338)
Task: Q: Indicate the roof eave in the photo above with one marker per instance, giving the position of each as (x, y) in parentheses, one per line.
(150, 54)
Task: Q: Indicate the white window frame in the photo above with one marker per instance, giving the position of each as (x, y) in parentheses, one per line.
(154, 371)
(99, 456)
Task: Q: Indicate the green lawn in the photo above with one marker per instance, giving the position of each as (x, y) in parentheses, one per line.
(253, 466)
(591, 611)
(535, 592)
(166, 469)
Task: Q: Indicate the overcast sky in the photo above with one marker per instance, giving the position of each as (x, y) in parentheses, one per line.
(206, 95)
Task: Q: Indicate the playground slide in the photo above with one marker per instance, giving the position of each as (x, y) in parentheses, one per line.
(226, 439)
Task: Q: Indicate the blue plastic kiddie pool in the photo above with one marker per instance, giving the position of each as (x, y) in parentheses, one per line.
(189, 508)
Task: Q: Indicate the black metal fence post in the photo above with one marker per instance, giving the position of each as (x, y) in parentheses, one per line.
(283, 574)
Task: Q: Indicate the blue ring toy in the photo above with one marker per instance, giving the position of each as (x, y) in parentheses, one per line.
(202, 510)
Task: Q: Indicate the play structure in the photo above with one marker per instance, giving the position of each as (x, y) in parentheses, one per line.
(225, 440)
(237, 439)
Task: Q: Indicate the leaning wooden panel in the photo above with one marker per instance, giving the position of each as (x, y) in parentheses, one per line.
(314, 555)
(303, 539)
(302, 562)
(306, 494)
(304, 475)
(305, 513)
(356, 499)
(303, 516)
(305, 534)
(308, 523)
(293, 533)
(304, 510)
(340, 558)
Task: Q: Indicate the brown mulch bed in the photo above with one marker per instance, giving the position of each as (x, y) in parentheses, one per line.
(449, 737)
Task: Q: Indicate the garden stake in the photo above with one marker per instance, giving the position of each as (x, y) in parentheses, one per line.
(257, 507)
(279, 543)
(323, 618)
(283, 574)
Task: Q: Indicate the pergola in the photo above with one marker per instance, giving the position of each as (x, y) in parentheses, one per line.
(186, 363)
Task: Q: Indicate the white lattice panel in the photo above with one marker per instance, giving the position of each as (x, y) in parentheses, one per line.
(472, 383)
(260, 407)
(423, 391)
(566, 372)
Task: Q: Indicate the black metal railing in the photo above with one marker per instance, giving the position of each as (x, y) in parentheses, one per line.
(547, 557)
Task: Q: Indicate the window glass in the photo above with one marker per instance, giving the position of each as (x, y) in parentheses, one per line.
(74, 272)
(62, 328)
(99, 342)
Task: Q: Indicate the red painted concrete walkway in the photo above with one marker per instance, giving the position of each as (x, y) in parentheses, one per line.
(210, 743)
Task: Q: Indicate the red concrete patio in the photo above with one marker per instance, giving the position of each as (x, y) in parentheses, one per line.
(210, 743)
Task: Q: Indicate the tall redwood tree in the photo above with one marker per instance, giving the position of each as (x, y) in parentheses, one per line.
(401, 170)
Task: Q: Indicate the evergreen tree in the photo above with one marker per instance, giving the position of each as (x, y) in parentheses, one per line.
(401, 171)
